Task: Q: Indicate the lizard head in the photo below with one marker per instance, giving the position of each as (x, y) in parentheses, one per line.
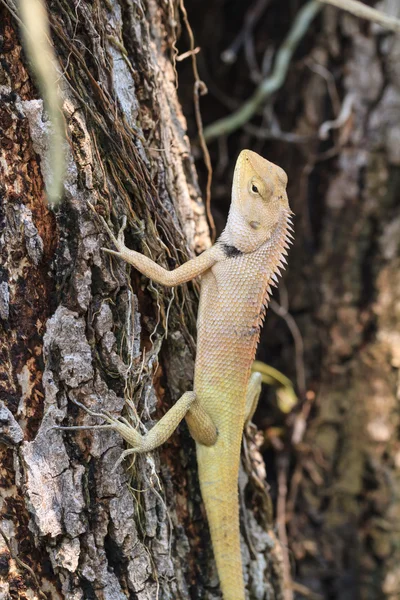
(259, 202)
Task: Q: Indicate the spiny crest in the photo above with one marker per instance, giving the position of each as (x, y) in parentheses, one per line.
(278, 242)
(281, 241)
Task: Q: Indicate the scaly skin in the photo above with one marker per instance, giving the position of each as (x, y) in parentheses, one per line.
(236, 276)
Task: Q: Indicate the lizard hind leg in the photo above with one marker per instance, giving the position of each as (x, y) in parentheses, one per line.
(161, 431)
(252, 395)
(201, 426)
(155, 437)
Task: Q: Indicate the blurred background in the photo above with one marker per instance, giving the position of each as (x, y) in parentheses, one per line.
(333, 327)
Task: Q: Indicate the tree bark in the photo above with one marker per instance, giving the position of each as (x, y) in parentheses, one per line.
(79, 326)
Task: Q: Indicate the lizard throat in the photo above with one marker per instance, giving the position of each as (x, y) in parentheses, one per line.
(230, 251)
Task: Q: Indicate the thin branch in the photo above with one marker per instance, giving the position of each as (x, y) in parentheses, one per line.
(264, 133)
(22, 564)
(251, 18)
(12, 10)
(305, 591)
(359, 9)
(40, 51)
(340, 120)
(298, 344)
(282, 467)
(200, 89)
(271, 84)
(323, 72)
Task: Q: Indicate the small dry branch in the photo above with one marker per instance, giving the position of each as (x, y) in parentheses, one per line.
(361, 10)
(272, 83)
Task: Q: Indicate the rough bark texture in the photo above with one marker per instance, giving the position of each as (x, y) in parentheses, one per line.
(342, 508)
(76, 325)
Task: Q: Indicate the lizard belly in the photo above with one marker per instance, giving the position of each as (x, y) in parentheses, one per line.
(228, 332)
(225, 350)
(232, 296)
(231, 302)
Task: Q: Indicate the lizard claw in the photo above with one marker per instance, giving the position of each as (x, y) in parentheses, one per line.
(110, 233)
(122, 457)
(119, 241)
(115, 252)
(121, 236)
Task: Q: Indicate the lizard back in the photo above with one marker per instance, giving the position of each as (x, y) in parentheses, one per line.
(233, 300)
(234, 294)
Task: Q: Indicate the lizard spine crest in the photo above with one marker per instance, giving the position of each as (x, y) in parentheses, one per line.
(281, 241)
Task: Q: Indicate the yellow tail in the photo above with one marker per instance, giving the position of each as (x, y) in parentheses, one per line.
(218, 472)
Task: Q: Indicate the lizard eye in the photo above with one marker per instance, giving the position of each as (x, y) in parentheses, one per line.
(254, 187)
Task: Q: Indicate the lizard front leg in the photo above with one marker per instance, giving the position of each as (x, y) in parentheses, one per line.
(152, 270)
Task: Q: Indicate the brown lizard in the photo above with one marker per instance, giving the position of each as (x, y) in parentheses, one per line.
(236, 275)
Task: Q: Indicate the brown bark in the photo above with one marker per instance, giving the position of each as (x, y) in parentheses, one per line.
(76, 325)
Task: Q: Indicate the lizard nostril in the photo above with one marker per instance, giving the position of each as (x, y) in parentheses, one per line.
(255, 224)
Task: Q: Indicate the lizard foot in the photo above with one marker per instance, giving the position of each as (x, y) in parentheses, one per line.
(121, 425)
(119, 241)
(122, 457)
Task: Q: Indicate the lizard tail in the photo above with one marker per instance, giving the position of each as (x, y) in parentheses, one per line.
(218, 474)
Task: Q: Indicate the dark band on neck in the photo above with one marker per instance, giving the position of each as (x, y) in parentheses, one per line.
(231, 251)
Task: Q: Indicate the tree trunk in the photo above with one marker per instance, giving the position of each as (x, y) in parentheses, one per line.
(77, 326)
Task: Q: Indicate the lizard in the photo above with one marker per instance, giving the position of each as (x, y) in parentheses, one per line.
(237, 273)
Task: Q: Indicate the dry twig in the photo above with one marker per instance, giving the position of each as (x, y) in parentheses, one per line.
(200, 89)
(36, 35)
(22, 564)
(272, 83)
(361, 10)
